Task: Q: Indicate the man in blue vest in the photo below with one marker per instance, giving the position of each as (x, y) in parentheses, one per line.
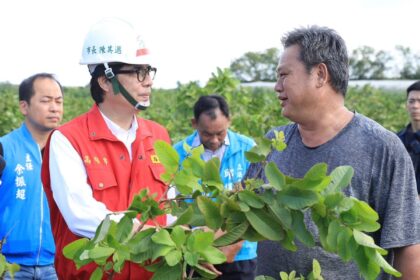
(24, 212)
(211, 122)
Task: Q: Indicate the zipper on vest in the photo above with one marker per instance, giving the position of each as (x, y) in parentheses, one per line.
(41, 199)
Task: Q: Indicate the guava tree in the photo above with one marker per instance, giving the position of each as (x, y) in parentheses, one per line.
(255, 211)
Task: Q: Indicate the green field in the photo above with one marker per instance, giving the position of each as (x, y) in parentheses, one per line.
(254, 110)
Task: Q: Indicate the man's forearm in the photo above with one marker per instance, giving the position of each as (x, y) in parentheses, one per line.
(407, 261)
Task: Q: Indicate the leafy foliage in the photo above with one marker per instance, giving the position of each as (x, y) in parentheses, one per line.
(365, 63)
(5, 266)
(273, 211)
(253, 110)
(314, 275)
(256, 66)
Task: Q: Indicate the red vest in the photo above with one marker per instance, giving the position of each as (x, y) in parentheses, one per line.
(114, 179)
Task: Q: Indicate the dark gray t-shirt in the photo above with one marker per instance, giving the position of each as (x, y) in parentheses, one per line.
(383, 177)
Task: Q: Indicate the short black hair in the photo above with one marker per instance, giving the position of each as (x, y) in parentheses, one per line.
(95, 89)
(26, 87)
(208, 104)
(415, 86)
(322, 45)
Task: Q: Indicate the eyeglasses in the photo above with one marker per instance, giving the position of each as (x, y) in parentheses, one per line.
(141, 72)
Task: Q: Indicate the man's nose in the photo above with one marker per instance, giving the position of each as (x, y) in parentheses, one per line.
(278, 87)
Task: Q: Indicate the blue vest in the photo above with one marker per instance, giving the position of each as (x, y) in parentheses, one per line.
(232, 169)
(24, 212)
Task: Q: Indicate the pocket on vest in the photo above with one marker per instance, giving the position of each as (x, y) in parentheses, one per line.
(101, 178)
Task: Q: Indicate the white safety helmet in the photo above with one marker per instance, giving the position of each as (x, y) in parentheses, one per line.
(113, 40)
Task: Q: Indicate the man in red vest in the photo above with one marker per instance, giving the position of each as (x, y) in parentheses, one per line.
(95, 164)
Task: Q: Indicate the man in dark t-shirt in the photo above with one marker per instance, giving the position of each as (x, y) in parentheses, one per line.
(312, 79)
(410, 135)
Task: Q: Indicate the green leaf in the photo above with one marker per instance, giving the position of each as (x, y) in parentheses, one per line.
(284, 275)
(228, 206)
(333, 200)
(365, 210)
(252, 235)
(102, 230)
(338, 201)
(211, 212)
(173, 257)
(300, 230)
(254, 157)
(166, 272)
(332, 237)
(101, 252)
(141, 241)
(192, 258)
(261, 277)
(213, 255)
(13, 268)
(367, 241)
(199, 240)
(243, 206)
(163, 237)
(160, 251)
(282, 213)
(155, 266)
(364, 264)
(97, 274)
(297, 199)
(317, 172)
(185, 183)
(72, 249)
(185, 217)
(385, 265)
(232, 235)
(251, 198)
(259, 152)
(211, 176)
(197, 219)
(125, 227)
(2, 263)
(120, 256)
(361, 216)
(265, 224)
(322, 223)
(288, 241)
(167, 155)
(268, 196)
(178, 236)
(343, 244)
(316, 269)
(278, 142)
(193, 163)
(275, 176)
(340, 178)
(207, 274)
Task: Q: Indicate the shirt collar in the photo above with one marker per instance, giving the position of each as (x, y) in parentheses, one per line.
(118, 131)
(209, 154)
(197, 142)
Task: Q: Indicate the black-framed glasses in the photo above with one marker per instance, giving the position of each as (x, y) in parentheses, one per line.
(141, 72)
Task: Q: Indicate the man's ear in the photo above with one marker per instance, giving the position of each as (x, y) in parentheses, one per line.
(104, 83)
(23, 107)
(322, 74)
(194, 123)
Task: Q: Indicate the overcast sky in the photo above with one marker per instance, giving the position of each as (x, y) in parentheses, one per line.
(189, 38)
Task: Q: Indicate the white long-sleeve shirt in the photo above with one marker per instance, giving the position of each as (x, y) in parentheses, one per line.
(71, 192)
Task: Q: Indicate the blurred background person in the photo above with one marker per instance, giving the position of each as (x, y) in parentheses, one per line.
(410, 135)
(24, 213)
